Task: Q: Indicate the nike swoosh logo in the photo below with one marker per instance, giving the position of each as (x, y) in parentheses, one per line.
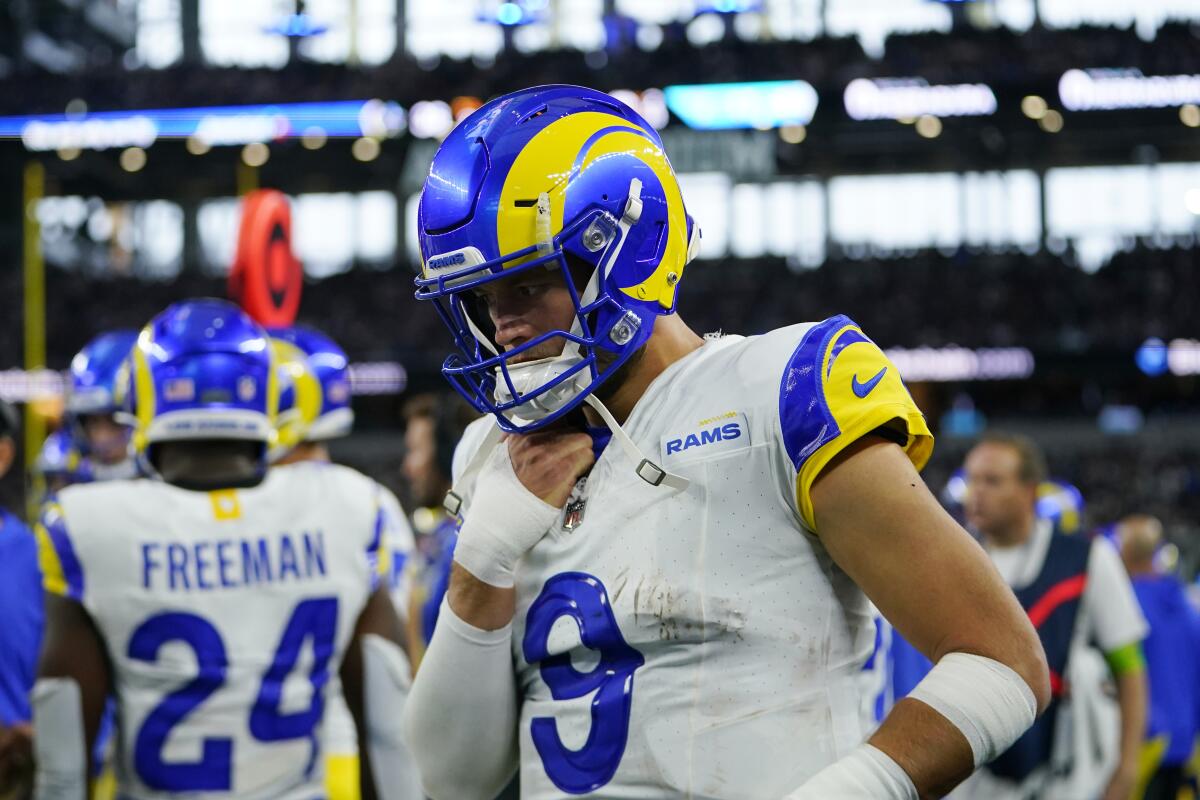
(864, 389)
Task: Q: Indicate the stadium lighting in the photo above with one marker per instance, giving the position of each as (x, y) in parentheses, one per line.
(365, 149)
(69, 153)
(366, 378)
(255, 154)
(1034, 107)
(761, 104)
(929, 127)
(941, 364)
(313, 138)
(1116, 89)
(793, 134)
(896, 98)
(133, 159)
(1151, 357)
(216, 125)
(1189, 114)
(1183, 357)
(509, 14)
(197, 146)
(1051, 121)
(1191, 201)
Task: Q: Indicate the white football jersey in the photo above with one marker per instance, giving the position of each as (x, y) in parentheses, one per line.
(702, 643)
(225, 615)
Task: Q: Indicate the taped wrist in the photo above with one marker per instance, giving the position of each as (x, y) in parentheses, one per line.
(504, 521)
(986, 700)
(866, 773)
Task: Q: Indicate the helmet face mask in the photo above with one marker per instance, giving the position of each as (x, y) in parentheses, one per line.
(526, 392)
(551, 178)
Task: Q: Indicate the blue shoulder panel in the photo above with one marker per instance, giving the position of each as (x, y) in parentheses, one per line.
(804, 415)
(55, 525)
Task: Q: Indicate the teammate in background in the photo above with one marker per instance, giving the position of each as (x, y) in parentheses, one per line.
(315, 409)
(60, 464)
(665, 594)
(92, 406)
(431, 429)
(1074, 591)
(1172, 661)
(216, 601)
(21, 631)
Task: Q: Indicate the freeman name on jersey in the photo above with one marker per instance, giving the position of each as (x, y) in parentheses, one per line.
(232, 563)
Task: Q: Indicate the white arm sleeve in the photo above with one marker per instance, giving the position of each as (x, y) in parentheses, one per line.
(461, 717)
(386, 686)
(58, 740)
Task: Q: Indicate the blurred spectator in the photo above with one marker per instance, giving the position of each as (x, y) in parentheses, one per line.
(1074, 591)
(21, 604)
(1172, 660)
(433, 426)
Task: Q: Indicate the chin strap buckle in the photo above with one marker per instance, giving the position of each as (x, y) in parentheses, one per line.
(650, 472)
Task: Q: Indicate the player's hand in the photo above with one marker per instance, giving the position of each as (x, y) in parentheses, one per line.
(548, 463)
(516, 499)
(16, 760)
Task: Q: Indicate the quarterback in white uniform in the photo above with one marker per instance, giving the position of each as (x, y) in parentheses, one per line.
(661, 581)
(216, 603)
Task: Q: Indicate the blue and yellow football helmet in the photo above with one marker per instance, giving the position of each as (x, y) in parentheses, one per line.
(202, 369)
(534, 180)
(93, 377)
(59, 462)
(329, 364)
(299, 397)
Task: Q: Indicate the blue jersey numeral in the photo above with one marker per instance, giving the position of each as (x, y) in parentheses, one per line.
(584, 599)
(213, 772)
(314, 618)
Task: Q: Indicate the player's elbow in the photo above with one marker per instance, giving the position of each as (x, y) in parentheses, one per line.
(1029, 661)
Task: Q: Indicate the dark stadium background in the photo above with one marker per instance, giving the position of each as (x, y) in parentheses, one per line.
(1068, 235)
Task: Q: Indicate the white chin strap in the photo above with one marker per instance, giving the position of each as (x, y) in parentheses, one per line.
(532, 374)
(646, 469)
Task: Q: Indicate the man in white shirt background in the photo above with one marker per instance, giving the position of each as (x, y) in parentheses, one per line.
(1078, 597)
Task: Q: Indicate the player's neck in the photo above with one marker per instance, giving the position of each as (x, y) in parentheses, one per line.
(671, 340)
(1013, 535)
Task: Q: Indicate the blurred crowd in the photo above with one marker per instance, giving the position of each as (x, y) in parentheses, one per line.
(1042, 302)
(999, 56)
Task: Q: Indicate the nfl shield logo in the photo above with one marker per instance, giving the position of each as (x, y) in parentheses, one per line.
(576, 503)
(246, 388)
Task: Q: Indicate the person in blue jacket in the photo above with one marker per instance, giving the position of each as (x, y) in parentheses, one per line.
(1172, 652)
(21, 607)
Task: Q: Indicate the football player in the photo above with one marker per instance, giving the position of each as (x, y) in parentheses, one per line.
(93, 407)
(314, 409)
(215, 602)
(668, 542)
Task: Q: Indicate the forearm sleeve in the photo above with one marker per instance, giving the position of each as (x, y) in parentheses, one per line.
(461, 718)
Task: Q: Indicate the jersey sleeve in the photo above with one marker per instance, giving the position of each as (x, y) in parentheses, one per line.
(1114, 616)
(379, 551)
(62, 572)
(837, 387)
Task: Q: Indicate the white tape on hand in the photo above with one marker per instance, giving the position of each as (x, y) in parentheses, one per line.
(504, 521)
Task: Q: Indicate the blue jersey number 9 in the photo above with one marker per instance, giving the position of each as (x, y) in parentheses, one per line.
(315, 618)
(582, 598)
